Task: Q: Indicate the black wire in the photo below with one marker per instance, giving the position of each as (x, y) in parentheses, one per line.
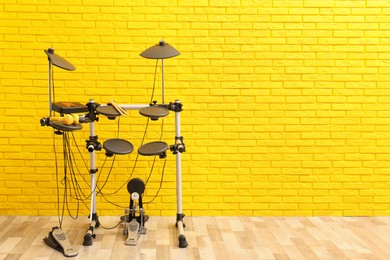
(161, 181)
(83, 159)
(100, 172)
(136, 160)
(108, 228)
(65, 201)
(135, 163)
(110, 202)
(87, 169)
(68, 164)
(69, 167)
(150, 173)
(112, 164)
(76, 186)
(69, 182)
(151, 170)
(108, 175)
(60, 217)
(52, 83)
(79, 191)
(162, 128)
(118, 124)
(154, 82)
(155, 157)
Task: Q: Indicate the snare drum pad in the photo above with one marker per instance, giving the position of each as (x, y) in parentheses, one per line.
(153, 148)
(108, 111)
(118, 146)
(154, 112)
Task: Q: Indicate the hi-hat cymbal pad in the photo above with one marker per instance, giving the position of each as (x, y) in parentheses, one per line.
(58, 60)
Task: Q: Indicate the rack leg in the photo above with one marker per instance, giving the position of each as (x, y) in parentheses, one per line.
(179, 217)
(89, 235)
(180, 226)
(92, 145)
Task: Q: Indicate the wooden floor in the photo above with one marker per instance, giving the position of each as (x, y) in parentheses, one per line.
(208, 237)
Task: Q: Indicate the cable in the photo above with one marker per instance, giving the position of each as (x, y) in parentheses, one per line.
(154, 82)
(84, 161)
(110, 202)
(135, 163)
(60, 217)
(136, 160)
(72, 188)
(155, 157)
(112, 164)
(150, 173)
(87, 169)
(52, 86)
(71, 182)
(71, 157)
(68, 164)
(108, 228)
(108, 175)
(161, 181)
(69, 169)
(117, 134)
(151, 170)
(65, 201)
(162, 128)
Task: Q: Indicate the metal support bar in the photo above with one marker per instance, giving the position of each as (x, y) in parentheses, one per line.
(162, 81)
(179, 220)
(92, 145)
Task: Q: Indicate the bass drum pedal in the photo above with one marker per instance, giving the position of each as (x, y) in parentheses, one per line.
(135, 225)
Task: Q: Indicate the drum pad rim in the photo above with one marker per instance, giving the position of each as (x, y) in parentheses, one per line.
(163, 148)
(122, 141)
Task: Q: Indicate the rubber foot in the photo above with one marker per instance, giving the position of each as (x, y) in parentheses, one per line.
(183, 241)
(87, 240)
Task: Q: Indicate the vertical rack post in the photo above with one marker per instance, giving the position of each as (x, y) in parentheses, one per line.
(162, 81)
(162, 51)
(177, 149)
(92, 146)
(49, 85)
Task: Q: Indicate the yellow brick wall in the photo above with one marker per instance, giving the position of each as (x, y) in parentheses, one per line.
(286, 103)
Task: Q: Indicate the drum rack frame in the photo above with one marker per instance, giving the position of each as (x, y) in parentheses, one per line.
(177, 149)
(160, 51)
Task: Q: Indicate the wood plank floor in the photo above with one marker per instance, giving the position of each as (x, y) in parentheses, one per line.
(21, 237)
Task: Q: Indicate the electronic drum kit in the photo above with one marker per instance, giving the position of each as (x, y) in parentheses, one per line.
(74, 114)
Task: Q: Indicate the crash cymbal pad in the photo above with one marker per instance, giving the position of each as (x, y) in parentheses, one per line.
(162, 50)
